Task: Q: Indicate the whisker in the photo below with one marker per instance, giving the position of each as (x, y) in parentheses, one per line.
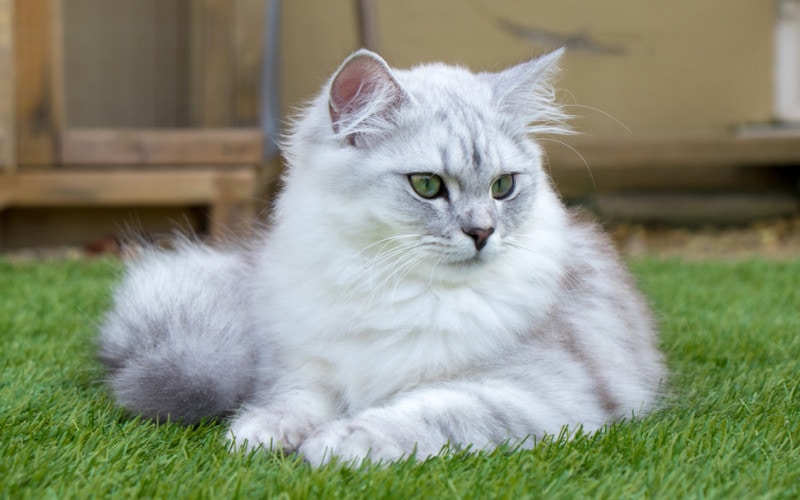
(375, 267)
(607, 115)
(392, 271)
(401, 273)
(433, 269)
(383, 268)
(585, 163)
(386, 241)
(576, 105)
(356, 283)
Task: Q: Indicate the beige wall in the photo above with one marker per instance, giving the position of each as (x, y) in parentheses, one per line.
(660, 67)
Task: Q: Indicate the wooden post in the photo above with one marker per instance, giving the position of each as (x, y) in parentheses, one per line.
(226, 53)
(248, 45)
(232, 212)
(39, 103)
(212, 78)
(7, 149)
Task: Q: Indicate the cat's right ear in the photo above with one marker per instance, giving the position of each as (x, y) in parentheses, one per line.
(526, 94)
(364, 95)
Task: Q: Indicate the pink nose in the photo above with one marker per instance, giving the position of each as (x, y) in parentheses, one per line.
(479, 235)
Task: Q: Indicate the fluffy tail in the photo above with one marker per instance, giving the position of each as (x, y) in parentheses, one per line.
(178, 342)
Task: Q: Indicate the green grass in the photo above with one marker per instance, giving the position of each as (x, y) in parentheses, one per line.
(730, 428)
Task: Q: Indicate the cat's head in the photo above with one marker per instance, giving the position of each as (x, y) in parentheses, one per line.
(434, 165)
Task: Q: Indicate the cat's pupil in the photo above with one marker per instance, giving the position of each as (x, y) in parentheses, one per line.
(503, 187)
(427, 185)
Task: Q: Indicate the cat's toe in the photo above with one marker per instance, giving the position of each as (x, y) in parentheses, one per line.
(261, 428)
(350, 442)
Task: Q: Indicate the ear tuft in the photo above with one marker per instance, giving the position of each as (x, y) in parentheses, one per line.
(363, 96)
(526, 93)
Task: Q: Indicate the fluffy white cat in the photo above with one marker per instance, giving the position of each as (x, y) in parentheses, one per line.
(421, 285)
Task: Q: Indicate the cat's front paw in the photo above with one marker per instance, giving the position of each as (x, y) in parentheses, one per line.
(272, 430)
(350, 441)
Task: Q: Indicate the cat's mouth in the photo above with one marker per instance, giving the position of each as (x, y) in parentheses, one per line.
(477, 259)
(459, 270)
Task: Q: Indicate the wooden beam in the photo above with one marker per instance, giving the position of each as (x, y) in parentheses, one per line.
(163, 146)
(133, 186)
(7, 145)
(8, 189)
(672, 152)
(8, 194)
(232, 213)
(39, 103)
(7, 156)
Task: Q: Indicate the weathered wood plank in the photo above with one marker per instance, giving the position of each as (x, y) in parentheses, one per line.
(696, 209)
(213, 60)
(7, 147)
(134, 186)
(8, 189)
(225, 61)
(232, 213)
(39, 104)
(248, 45)
(672, 152)
(163, 146)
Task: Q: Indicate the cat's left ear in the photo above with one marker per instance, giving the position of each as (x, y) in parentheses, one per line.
(526, 92)
(364, 95)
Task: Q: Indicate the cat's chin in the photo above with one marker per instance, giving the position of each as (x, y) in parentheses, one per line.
(458, 270)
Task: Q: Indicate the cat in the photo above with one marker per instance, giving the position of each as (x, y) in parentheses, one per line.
(422, 285)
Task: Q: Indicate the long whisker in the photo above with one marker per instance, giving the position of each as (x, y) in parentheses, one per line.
(377, 266)
(403, 271)
(384, 263)
(388, 240)
(576, 105)
(402, 267)
(433, 269)
(394, 266)
(607, 115)
(585, 163)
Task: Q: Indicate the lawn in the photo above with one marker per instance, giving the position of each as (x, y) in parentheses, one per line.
(730, 428)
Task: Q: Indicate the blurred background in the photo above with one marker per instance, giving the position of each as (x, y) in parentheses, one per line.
(152, 114)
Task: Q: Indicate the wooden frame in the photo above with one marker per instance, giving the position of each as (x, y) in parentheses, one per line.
(7, 147)
(227, 190)
(39, 98)
(153, 147)
(572, 153)
(221, 96)
(58, 166)
(7, 144)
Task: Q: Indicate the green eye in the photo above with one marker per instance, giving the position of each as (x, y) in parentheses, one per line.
(427, 185)
(503, 186)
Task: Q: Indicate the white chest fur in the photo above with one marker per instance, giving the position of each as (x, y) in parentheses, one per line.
(364, 345)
